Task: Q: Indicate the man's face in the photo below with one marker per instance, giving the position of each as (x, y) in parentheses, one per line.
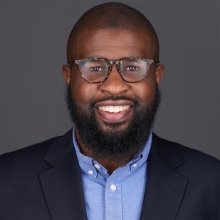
(114, 93)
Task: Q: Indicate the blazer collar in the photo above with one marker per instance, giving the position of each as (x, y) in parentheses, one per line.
(165, 187)
(165, 151)
(62, 184)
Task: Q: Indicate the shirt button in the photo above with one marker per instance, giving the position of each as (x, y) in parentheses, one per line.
(97, 166)
(90, 172)
(134, 165)
(113, 187)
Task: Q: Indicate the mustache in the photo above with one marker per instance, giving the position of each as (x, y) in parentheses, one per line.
(114, 98)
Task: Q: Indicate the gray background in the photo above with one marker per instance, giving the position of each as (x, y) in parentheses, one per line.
(33, 43)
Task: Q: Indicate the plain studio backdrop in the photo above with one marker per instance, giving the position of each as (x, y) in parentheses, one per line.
(33, 41)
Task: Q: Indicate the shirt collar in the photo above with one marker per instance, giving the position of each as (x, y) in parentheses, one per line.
(89, 164)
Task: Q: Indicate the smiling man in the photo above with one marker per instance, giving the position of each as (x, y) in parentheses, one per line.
(110, 165)
(112, 91)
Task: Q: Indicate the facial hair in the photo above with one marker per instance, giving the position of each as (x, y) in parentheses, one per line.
(117, 144)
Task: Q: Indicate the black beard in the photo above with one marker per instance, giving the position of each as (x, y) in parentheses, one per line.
(118, 144)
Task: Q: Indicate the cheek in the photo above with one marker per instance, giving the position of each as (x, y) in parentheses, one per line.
(82, 91)
(145, 91)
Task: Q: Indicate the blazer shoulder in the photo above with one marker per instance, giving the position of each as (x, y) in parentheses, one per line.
(192, 159)
(32, 154)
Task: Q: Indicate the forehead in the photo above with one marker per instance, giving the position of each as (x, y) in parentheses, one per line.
(113, 43)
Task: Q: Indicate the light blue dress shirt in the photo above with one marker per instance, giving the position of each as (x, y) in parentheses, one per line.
(118, 196)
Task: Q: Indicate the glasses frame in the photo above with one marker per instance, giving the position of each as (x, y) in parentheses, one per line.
(110, 63)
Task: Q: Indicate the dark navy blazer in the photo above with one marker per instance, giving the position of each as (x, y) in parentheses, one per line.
(43, 182)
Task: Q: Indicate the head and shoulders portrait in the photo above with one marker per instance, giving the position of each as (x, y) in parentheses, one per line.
(134, 73)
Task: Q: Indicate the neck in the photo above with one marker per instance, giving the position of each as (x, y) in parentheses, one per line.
(109, 163)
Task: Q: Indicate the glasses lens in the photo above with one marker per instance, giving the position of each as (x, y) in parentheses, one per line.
(94, 70)
(134, 70)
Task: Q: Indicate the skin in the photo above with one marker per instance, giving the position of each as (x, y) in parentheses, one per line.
(112, 44)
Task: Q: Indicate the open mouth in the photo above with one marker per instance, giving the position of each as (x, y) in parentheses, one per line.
(114, 109)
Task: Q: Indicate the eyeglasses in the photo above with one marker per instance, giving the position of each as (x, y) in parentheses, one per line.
(97, 70)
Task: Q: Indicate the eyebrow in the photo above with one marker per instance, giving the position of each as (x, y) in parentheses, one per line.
(117, 59)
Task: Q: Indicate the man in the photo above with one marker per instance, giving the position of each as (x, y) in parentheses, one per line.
(110, 165)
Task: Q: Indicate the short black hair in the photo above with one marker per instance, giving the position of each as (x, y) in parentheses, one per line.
(112, 15)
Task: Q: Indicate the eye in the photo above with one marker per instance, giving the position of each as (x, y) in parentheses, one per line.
(132, 68)
(96, 69)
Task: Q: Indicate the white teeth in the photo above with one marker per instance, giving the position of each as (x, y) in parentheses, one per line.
(114, 109)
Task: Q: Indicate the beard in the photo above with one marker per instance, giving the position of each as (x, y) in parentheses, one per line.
(116, 144)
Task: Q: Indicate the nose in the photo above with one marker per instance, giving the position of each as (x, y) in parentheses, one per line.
(114, 84)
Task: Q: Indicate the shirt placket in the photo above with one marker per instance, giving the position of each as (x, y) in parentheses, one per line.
(113, 198)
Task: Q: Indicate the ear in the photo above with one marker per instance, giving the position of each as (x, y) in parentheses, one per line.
(159, 73)
(66, 73)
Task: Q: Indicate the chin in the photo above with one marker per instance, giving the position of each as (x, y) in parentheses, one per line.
(114, 127)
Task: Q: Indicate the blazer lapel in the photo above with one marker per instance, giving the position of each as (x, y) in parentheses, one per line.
(62, 184)
(165, 187)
